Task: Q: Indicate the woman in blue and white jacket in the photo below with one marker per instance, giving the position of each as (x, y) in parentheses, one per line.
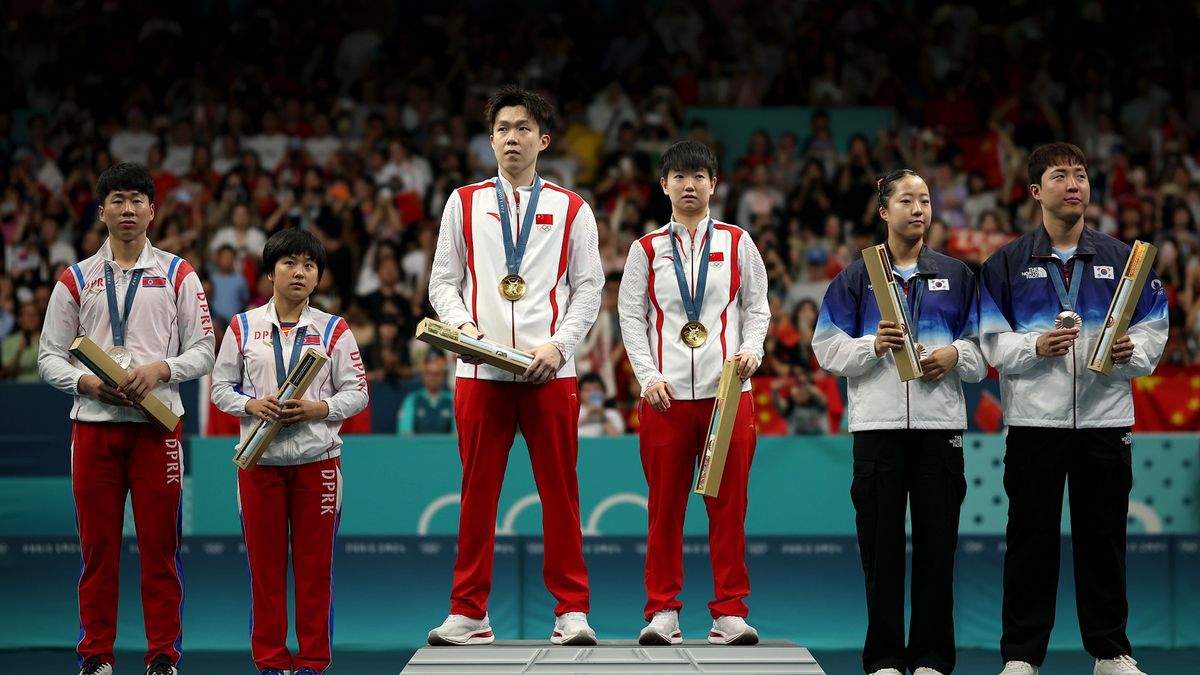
(907, 436)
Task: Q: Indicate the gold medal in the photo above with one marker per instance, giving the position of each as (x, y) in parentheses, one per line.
(694, 334)
(122, 356)
(512, 287)
(1068, 319)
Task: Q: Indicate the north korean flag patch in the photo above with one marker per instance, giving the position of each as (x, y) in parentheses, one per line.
(312, 340)
(939, 284)
(154, 282)
(1103, 271)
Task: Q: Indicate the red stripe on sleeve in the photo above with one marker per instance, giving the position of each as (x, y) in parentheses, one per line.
(68, 279)
(735, 277)
(236, 326)
(648, 247)
(338, 329)
(182, 270)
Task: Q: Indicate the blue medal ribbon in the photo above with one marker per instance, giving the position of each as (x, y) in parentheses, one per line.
(120, 321)
(514, 254)
(693, 303)
(916, 292)
(1067, 298)
(297, 344)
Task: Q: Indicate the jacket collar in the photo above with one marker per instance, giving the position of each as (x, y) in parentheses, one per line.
(305, 315)
(144, 261)
(1043, 249)
(926, 261)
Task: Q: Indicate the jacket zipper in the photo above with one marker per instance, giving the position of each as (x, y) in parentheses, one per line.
(692, 267)
(907, 390)
(1074, 368)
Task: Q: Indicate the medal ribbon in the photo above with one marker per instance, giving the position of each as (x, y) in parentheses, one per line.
(915, 293)
(514, 254)
(297, 344)
(691, 304)
(119, 321)
(1067, 298)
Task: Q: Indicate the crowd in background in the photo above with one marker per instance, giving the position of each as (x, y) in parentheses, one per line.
(356, 122)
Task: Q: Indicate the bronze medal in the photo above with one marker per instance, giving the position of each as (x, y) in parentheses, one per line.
(1068, 319)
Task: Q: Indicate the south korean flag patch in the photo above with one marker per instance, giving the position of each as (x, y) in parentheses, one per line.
(1103, 271)
(939, 284)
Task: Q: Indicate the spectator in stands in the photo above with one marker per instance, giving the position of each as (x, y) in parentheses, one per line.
(430, 409)
(597, 417)
(230, 292)
(19, 352)
(802, 404)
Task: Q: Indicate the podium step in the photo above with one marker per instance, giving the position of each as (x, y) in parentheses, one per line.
(694, 657)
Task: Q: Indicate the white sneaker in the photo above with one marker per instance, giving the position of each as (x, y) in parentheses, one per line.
(1124, 665)
(1019, 668)
(663, 629)
(926, 671)
(94, 666)
(732, 630)
(571, 628)
(462, 630)
(888, 671)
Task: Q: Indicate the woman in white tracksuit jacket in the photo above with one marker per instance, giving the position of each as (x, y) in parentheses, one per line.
(907, 436)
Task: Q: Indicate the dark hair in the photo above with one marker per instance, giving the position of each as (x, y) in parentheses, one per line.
(123, 177)
(1053, 154)
(229, 247)
(512, 95)
(591, 378)
(293, 241)
(689, 156)
(886, 184)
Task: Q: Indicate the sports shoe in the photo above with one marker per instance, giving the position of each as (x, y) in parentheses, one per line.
(732, 630)
(1122, 665)
(571, 628)
(888, 671)
(161, 665)
(1019, 668)
(663, 629)
(94, 666)
(462, 630)
(926, 671)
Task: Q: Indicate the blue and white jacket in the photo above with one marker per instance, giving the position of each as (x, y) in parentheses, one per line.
(1018, 303)
(844, 343)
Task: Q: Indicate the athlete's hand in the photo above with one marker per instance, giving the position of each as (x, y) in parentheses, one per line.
(1057, 342)
(888, 336)
(1122, 350)
(935, 366)
(659, 395)
(471, 330)
(746, 365)
(297, 410)
(142, 379)
(546, 362)
(266, 408)
(91, 385)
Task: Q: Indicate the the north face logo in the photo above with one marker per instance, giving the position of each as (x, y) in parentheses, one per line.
(956, 442)
(1034, 273)
(1127, 439)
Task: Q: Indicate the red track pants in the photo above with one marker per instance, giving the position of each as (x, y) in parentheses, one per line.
(108, 461)
(488, 414)
(304, 500)
(671, 443)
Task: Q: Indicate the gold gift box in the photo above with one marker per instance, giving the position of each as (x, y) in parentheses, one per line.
(720, 431)
(448, 337)
(893, 307)
(249, 451)
(103, 366)
(1124, 302)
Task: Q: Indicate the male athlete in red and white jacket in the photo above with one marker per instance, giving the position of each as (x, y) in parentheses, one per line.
(717, 267)
(294, 495)
(558, 284)
(162, 322)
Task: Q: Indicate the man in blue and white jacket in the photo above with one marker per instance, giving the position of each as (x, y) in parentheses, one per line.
(1066, 423)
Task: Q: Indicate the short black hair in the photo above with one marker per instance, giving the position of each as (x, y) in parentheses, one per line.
(592, 378)
(1053, 154)
(293, 241)
(689, 156)
(886, 184)
(512, 95)
(125, 177)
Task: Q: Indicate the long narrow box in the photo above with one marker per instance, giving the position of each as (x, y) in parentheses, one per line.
(892, 307)
(448, 337)
(720, 430)
(294, 385)
(103, 366)
(1124, 302)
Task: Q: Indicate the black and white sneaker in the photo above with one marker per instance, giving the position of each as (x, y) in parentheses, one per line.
(94, 666)
(161, 665)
